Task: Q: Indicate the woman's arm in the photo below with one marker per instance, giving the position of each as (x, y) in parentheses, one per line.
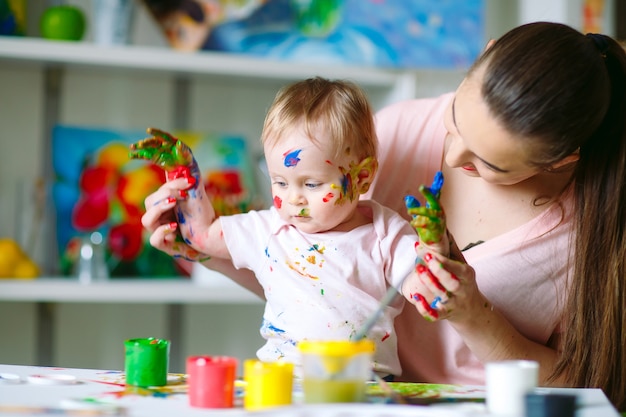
(485, 331)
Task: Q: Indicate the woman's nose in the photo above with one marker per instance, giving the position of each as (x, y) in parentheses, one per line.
(457, 154)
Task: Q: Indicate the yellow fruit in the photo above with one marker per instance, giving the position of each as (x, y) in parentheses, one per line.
(6, 266)
(26, 269)
(10, 254)
(10, 248)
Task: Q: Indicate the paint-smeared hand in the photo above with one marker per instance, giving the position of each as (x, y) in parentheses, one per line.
(161, 220)
(169, 210)
(163, 149)
(429, 220)
(168, 152)
(443, 288)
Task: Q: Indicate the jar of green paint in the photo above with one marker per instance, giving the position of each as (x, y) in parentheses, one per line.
(147, 362)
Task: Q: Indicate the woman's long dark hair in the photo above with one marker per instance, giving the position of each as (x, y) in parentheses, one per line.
(565, 92)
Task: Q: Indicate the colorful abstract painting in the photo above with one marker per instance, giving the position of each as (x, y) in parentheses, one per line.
(98, 188)
(383, 33)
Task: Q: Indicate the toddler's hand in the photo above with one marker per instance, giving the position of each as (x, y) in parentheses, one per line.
(163, 149)
(429, 220)
(171, 154)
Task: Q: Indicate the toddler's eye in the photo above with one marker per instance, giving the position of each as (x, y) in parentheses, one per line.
(312, 185)
(281, 184)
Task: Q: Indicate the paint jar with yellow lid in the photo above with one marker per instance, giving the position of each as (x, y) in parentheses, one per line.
(335, 371)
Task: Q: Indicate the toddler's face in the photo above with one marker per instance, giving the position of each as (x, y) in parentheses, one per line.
(311, 189)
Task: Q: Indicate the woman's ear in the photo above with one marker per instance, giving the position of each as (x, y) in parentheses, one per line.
(569, 159)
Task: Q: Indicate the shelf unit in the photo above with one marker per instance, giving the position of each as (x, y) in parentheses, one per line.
(397, 83)
(188, 74)
(165, 291)
(74, 82)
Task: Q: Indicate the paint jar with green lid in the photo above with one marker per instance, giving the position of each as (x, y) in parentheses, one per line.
(146, 362)
(335, 371)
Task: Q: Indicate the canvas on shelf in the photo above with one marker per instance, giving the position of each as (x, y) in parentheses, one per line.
(378, 33)
(99, 188)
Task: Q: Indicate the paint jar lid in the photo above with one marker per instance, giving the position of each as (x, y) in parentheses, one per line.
(52, 379)
(9, 379)
(540, 404)
(337, 347)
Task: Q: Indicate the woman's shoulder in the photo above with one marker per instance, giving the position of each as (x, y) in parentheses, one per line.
(417, 108)
(411, 124)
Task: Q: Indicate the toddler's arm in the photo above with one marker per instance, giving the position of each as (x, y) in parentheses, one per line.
(196, 218)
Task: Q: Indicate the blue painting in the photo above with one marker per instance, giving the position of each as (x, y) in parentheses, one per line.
(392, 33)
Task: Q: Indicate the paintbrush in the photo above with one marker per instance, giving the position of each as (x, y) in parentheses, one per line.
(390, 295)
(395, 397)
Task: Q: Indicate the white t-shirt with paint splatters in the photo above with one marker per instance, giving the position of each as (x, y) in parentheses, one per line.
(323, 286)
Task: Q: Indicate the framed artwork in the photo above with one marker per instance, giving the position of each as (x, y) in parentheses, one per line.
(99, 188)
(383, 33)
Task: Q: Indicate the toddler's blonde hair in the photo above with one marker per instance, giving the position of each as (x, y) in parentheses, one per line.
(337, 107)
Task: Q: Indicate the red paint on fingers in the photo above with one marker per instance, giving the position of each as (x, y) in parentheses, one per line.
(420, 299)
(422, 269)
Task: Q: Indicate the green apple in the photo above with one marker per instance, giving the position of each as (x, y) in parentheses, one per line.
(63, 23)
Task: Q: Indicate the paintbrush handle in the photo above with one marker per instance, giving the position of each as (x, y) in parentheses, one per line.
(390, 295)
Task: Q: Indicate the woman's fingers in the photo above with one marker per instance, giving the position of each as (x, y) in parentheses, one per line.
(419, 294)
(437, 283)
(441, 279)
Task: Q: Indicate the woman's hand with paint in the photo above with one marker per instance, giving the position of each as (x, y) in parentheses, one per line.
(443, 288)
(432, 285)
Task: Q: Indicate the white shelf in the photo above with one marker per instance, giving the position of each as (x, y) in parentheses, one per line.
(389, 85)
(83, 54)
(124, 291)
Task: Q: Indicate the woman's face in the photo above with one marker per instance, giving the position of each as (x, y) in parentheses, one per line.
(478, 145)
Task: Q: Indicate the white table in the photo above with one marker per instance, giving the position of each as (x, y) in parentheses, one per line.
(102, 392)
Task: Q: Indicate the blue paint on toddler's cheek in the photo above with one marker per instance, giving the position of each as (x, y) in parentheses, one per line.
(291, 159)
(345, 182)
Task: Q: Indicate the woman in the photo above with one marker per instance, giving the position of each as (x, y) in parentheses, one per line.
(533, 150)
(534, 159)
